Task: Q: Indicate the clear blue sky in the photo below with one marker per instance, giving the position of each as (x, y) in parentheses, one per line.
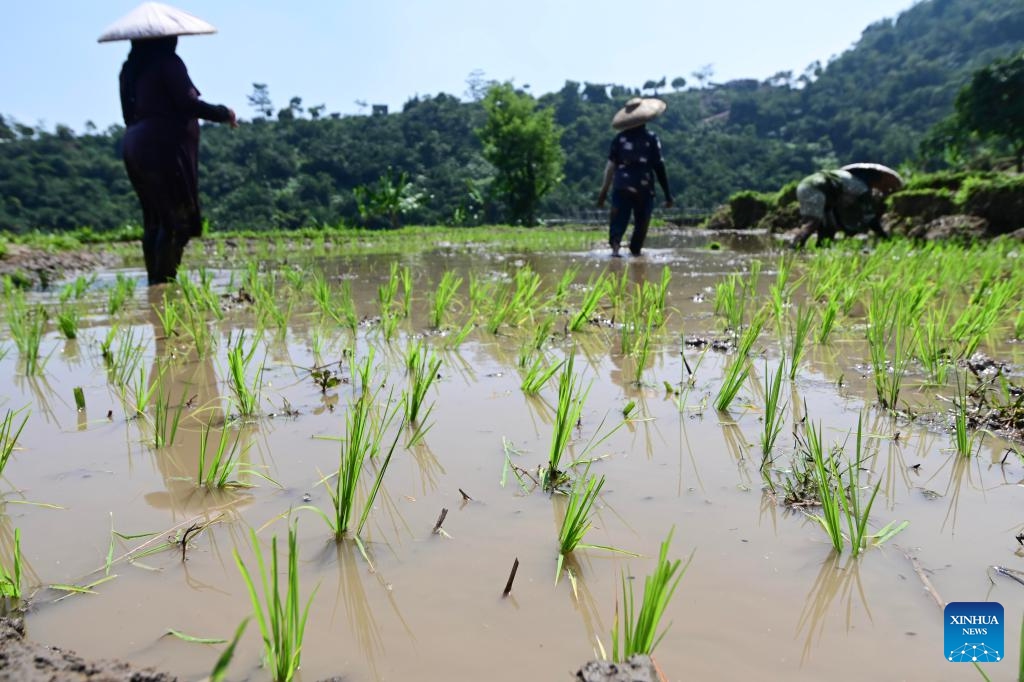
(336, 52)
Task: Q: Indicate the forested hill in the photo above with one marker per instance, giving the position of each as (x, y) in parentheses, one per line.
(297, 167)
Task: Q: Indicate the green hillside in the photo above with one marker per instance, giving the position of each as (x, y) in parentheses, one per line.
(299, 168)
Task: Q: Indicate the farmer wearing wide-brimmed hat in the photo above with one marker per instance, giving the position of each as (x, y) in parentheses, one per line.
(161, 108)
(634, 161)
(850, 199)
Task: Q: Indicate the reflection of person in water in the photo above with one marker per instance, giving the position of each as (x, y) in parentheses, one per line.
(190, 384)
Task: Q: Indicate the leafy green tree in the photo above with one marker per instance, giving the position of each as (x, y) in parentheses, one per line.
(392, 197)
(521, 141)
(992, 104)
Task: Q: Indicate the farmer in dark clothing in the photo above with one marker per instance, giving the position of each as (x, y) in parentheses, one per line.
(850, 199)
(634, 161)
(161, 108)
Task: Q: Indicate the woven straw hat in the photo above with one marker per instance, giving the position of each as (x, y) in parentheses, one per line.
(877, 176)
(637, 112)
(155, 20)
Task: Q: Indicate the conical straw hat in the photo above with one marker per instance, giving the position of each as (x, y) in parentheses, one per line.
(637, 111)
(155, 20)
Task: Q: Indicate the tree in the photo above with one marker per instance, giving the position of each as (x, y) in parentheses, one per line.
(521, 141)
(704, 74)
(391, 198)
(678, 83)
(260, 100)
(992, 104)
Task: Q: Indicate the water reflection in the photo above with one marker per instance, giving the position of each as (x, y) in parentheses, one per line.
(187, 382)
(838, 579)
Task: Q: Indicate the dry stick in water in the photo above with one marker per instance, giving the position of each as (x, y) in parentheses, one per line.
(440, 520)
(511, 578)
(465, 497)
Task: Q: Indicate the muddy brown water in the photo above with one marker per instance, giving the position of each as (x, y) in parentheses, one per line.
(765, 596)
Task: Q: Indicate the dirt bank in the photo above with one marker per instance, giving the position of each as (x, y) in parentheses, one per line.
(24, 661)
(37, 267)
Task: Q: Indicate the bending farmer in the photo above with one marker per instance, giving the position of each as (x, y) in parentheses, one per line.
(850, 199)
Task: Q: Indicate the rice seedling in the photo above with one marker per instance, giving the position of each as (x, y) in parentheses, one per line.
(123, 360)
(364, 434)
(76, 289)
(422, 374)
(142, 391)
(774, 412)
(10, 575)
(641, 352)
(737, 372)
(405, 275)
(79, 395)
(68, 317)
(963, 439)
(536, 376)
(826, 475)
(279, 613)
(839, 495)
(122, 291)
(386, 292)
(563, 286)
(888, 324)
(169, 316)
(221, 466)
(801, 328)
(596, 289)
(27, 325)
(246, 392)
(568, 412)
(442, 297)
(828, 320)
(346, 308)
(636, 629)
(220, 668)
(322, 294)
(542, 332)
(166, 419)
(9, 435)
(729, 301)
(577, 520)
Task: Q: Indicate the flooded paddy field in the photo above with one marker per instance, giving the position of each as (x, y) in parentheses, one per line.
(217, 414)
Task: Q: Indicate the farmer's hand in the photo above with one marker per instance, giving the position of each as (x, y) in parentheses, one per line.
(232, 118)
(669, 202)
(602, 196)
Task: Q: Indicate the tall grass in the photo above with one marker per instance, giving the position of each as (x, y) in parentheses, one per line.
(280, 614)
(636, 628)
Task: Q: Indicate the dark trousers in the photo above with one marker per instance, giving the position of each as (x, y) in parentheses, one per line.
(624, 204)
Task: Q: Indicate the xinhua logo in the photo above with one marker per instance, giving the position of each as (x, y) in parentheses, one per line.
(974, 632)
